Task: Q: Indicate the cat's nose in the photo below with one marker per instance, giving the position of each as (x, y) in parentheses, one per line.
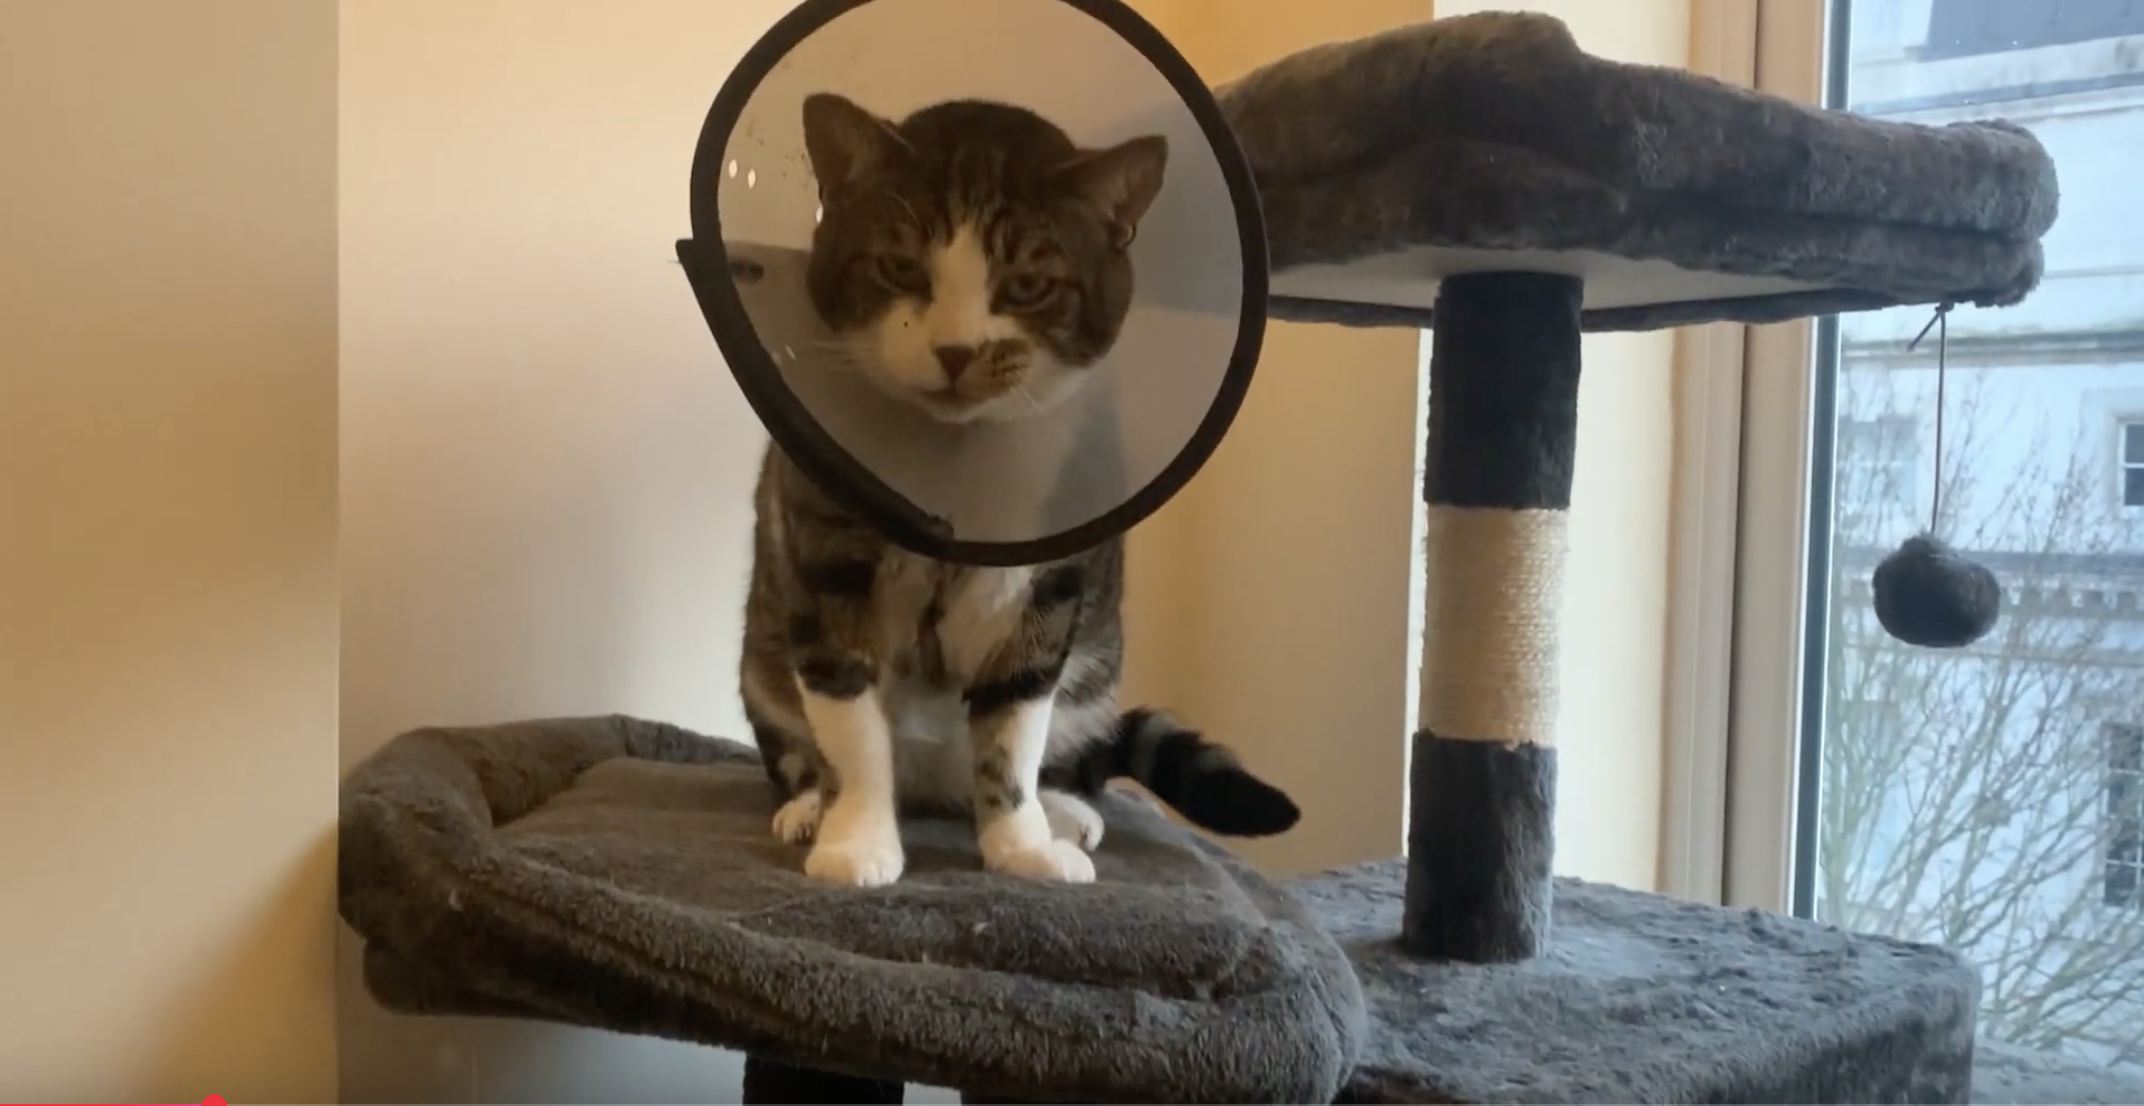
(955, 360)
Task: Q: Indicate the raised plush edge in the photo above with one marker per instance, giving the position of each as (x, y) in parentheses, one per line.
(1651, 999)
(455, 923)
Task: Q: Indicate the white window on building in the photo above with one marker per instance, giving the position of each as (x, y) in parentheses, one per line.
(2132, 463)
(1877, 461)
(2123, 883)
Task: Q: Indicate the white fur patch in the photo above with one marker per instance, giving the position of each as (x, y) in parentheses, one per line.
(933, 749)
(852, 736)
(859, 836)
(957, 314)
(798, 820)
(926, 728)
(863, 855)
(983, 613)
(1021, 842)
(1053, 861)
(934, 762)
(1024, 732)
(1072, 819)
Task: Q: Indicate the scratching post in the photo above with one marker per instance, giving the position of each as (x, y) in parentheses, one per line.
(1503, 424)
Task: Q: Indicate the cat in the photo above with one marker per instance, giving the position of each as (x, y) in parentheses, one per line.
(974, 261)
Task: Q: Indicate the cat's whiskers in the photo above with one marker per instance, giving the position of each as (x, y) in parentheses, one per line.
(848, 354)
(1027, 396)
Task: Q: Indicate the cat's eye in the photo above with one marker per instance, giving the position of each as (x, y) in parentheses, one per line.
(904, 274)
(1025, 290)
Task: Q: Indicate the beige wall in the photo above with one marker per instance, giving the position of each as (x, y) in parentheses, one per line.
(1270, 604)
(1279, 598)
(167, 550)
(546, 468)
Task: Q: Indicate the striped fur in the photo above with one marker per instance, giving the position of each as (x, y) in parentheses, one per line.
(949, 651)
(1203, 781)
(973, 260)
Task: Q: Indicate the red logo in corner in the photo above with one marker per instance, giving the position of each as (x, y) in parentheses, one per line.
(212, 1100)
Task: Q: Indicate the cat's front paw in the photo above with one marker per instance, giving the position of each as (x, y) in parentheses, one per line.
(798, 820)
(1053, 861)
(866, 857)
(1071, 819)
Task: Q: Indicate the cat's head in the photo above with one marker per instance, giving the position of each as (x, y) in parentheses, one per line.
(971, 258)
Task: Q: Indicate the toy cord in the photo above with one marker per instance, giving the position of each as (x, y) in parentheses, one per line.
(1940, 323)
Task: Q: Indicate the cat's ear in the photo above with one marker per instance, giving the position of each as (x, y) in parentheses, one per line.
(1121, 181)
(844, 141)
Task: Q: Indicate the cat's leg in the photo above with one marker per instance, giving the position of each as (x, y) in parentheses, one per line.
(775, 713)
(1012, 825)
(1085, 716)
(797, 822)
(857, 838)
(1013, 723)
(1011, 706)
(1071, 818)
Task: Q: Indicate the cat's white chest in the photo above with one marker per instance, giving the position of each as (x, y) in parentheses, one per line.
(983, 610)
(979, 612)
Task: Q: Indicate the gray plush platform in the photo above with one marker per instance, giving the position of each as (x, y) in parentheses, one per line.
(620, 873)
(1491, 141)
(1647, 999)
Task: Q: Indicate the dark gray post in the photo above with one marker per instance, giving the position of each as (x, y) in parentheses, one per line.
(770, 1081)
(1503, 424)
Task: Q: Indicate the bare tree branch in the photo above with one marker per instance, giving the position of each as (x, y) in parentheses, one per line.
(1963, 798)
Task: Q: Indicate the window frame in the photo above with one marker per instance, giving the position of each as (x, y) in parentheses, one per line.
(2128, 462)
(2122, 792)
(1711, 364)
(1952, 36)
(1741, 552)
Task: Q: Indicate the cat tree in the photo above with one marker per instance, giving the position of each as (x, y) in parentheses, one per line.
(1479, 172)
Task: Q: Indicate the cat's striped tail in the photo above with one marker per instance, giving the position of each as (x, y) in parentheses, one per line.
(1203, 781)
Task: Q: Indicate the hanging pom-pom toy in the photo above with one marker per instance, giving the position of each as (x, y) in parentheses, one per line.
(1926, 593)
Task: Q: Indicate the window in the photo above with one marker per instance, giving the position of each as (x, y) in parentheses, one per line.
(1964, 28)
(2123, 883)
(2132, 463)
(1878, 462)
(1976, 798)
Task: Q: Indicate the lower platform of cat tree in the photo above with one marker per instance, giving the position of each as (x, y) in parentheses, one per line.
(1642, 998)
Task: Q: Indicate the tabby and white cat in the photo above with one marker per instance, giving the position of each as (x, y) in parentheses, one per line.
(973, 261)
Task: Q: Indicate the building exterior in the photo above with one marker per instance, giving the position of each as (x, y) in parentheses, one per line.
(1993, 798)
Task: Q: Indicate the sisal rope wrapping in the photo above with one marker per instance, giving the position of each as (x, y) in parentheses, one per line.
(1493, 590)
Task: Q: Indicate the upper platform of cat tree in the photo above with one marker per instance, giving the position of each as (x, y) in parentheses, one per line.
(1491, 141)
